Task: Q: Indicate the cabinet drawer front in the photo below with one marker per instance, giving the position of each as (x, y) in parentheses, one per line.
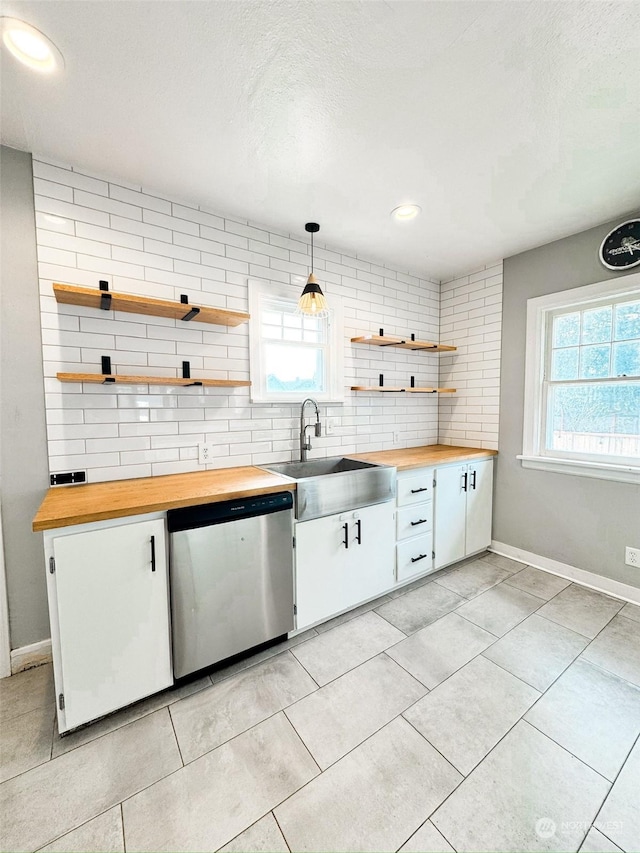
(414, 520)
(413, 557)
(415, 489)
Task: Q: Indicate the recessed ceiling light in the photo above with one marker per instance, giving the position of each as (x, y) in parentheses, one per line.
(30, 46)
(405, 212)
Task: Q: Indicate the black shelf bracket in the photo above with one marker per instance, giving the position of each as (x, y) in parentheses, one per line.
(186, 370)
(184, 299)
(106, 371)
(413, 381)
(105, 296)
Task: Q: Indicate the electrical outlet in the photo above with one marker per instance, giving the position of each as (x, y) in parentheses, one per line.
(205, 453)
(632, 557)
(330, 425)
(396, 436)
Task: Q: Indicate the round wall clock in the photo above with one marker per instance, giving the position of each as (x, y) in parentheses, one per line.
(620, 249)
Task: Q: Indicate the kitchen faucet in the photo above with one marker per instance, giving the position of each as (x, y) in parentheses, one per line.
(305, 444)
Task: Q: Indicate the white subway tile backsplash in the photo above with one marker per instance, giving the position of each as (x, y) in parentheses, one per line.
(147, 245)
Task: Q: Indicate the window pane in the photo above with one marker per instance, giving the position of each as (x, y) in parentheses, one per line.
(291, 368)
(596, 325)
(602, 418)
(594, 362)
(564, 364)
(566, 330)
(293, 321)
(313, 337)
(627, 321)
(273, 317)
(626, 359)
(271, 331)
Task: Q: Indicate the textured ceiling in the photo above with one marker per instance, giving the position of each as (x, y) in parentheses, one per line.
(510, 123)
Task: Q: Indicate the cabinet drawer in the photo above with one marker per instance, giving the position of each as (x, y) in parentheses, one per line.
(414, 520)
(415, 489)
(413, 557)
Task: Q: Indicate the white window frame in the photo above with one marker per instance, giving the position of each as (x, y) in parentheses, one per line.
(534, 454)
(335, 348)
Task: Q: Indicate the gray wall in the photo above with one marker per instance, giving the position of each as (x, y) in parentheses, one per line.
(23, 457)
(578, 520)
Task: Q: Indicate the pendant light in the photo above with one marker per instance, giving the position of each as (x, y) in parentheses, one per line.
(312, 300)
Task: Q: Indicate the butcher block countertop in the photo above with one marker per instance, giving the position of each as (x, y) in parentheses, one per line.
(67, 505)
(406, 458)
(64, 506)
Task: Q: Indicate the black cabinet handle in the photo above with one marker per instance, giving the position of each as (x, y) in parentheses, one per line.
(419, 521)
(345, 541)
(422, 489)
(464, 484)
(417, 559)
(473, 481)
(359, 533)
(153, 553)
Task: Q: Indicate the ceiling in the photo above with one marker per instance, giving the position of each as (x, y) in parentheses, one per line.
(511, 123)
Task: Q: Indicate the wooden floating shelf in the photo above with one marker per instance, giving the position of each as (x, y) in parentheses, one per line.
(117, 379)
(407, 390)
(109, 300)
(401, 343)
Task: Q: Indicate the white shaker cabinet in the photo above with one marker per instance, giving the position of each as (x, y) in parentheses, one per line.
(463, 505)
(109, 607)
(343, 560)
(414, 524)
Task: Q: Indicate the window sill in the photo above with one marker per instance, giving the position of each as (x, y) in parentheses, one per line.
(598, 470)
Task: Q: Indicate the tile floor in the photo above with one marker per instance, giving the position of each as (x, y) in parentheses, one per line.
(488, 707)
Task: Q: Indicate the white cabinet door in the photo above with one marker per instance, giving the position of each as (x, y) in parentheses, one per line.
(479, 504)
(450, 514)
(342, 560)
(369, 562)
(113, 618)
(320, 580)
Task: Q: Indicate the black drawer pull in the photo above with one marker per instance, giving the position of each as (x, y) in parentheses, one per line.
(465, 477)
(422, 489)
(153, 553)
(417, 559)
(345, 541)
(473, 481)
(419, 521)
(359, 533)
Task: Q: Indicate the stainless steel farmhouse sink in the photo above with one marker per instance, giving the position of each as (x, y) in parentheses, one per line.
(336, 484)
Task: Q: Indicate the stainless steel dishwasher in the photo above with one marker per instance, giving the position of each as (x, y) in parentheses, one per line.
(231, 569)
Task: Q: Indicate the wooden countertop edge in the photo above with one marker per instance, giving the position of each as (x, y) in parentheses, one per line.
(53, 513)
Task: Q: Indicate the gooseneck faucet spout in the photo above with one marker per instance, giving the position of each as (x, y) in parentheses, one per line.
(305, 443)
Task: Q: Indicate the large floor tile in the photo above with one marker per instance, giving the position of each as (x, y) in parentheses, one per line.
(537, 582)
(258, 657)
(537, 650)
(126, 716)
(420, 608)
(438, 650)
(335, 652)
(500, 609)
(336, 718)
(465, 717)
(212, 716)
(581, 609)
(502, 562)
(593, 714)
(26, 691)
(409, 587)
(427, 840)
(351, 614)
(62, 794)
(373, 799)
(103, 834)
(631, 611)
(264, 836)
(619, 818)
(25, 741)
(596, 842)
(617, 649)
(210, 801)
(528, 794)
(471, 579)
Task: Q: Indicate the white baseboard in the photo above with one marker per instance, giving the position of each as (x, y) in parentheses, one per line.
(617, 589)
(26, 657)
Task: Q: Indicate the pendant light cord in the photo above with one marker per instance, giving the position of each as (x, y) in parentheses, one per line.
(312, 253)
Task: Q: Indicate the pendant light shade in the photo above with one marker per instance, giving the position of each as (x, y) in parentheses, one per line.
(312, 300)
